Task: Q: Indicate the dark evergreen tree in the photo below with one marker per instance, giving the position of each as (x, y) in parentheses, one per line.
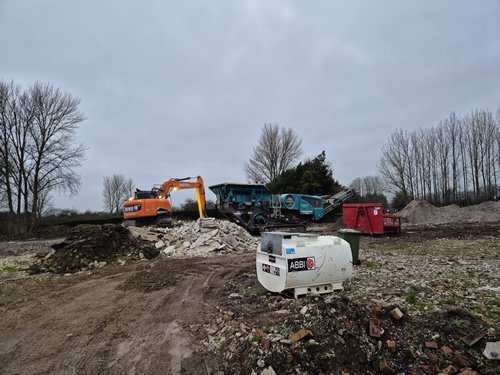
(312, 177)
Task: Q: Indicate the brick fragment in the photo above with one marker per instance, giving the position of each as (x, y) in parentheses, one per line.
(391, 345)
(447, 350)
(375, 330)
(473, 337)
(431, 344)
(260, 333)
(266, 343)
(461, 361)
(387, 370)
(433, 358)
(375, 309)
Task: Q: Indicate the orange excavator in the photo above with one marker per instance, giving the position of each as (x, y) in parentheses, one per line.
(149, 207)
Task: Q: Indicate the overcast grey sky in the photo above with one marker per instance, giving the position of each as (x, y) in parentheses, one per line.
(183, 88)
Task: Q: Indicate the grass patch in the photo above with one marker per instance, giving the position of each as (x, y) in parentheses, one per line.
(285, 332)
(83, 226)
(399, 248)
(460, 323)
(261, 292)
(256, 337)
(450, 301)
(411, 298)
(371, 264)
(253, 359)
(9, 269)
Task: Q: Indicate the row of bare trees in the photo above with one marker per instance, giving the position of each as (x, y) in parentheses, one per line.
(37, 150)
(455, 162)
(369, 185)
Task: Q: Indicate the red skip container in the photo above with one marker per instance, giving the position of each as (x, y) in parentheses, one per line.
(369, 218)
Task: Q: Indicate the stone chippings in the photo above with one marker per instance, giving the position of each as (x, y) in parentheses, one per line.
(436, 280)
(202, 238)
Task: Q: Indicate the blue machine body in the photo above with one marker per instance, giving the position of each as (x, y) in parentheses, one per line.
(255, 208)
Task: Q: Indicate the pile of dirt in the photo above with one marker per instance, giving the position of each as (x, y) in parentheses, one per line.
(92, 247)
(422, 212)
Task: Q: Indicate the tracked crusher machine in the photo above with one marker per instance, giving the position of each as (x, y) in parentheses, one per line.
(256, 209)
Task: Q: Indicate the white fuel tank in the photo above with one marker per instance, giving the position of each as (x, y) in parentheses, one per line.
(303, 263)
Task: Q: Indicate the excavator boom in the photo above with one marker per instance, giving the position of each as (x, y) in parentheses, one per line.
(183, 183)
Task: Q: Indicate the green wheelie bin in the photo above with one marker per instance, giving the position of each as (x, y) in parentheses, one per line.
(352, 237)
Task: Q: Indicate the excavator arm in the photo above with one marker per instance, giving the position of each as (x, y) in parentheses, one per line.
(182, 183)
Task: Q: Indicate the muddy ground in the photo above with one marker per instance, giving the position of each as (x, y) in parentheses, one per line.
(210, 315)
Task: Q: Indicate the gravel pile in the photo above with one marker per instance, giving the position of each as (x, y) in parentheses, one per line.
(422, 212)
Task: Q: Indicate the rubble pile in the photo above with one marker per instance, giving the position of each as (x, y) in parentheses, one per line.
(422, 212)
(204, 237)
(316, 334)
(92, 247)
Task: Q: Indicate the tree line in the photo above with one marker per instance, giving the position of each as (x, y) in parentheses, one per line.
(455, 162)
(38, 153)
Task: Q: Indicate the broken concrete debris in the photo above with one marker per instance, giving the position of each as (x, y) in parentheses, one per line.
(492, 350)
(204, 237)
(396, 313)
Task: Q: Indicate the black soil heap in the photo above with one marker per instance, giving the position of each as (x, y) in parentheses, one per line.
(91, 247)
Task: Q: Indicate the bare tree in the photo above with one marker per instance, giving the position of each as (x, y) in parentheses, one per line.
(37, 149)
(277, 150)
(117, 189)
(452, 131)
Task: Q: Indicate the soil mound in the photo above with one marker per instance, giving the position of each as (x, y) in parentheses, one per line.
(422, 212)
(92, 247)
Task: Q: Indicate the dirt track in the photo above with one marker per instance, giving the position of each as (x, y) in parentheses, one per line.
(152, 316)
(121, 319)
